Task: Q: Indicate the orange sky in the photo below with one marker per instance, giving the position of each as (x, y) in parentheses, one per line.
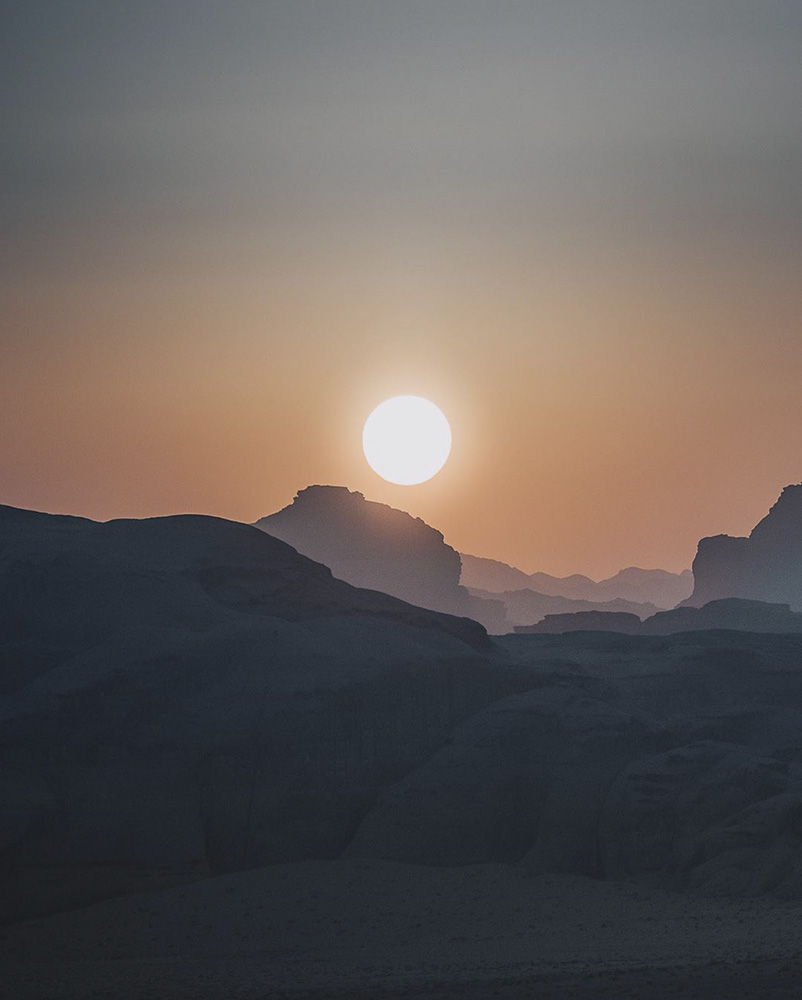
(597, 422)
(581, 240)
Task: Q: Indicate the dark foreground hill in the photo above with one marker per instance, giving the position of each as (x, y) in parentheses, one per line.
(179, 694)
(405, 801)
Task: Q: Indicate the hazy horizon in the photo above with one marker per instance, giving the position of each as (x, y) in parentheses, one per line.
(230, 231)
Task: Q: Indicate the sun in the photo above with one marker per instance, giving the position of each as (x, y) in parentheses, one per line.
(406, 440)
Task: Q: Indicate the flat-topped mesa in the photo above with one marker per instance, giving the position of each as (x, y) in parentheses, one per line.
(765, 566)
(378, 547)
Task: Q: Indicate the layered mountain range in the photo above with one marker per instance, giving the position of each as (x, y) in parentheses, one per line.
(373, 545)
(651, 589)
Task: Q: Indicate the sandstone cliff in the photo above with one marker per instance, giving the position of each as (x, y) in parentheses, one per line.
(376, 546)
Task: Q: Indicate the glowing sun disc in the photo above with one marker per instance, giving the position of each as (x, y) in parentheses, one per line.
(406, 440)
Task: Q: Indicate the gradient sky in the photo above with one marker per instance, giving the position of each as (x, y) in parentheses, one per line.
(230, 229)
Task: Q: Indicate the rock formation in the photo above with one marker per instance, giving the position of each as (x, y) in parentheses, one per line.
(765, 566)
(584, 621)
(376, 546)
(729, 613)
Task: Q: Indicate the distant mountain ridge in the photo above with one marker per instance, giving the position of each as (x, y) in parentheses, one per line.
(375, 546)
(765, 566)
(641, 586)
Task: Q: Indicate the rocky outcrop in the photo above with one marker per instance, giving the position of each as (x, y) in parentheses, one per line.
(652, 587)
(376, 546)
(732, 613)
(584, 621)
(766, 566)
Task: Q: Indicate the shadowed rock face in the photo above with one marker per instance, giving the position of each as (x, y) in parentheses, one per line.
(523, 780)
(766, 566)
(376, 546)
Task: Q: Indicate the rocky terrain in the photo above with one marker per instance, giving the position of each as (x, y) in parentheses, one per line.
(765, 566)
(225, 771)
(372, 545)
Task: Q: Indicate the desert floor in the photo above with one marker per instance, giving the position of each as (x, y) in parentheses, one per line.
(371, 930)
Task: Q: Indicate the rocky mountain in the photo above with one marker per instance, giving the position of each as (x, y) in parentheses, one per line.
(655, 587)
(525, 607)
(765, 566)
(373, 545)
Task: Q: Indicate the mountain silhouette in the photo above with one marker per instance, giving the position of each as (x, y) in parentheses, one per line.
(765, 566)
(376, 546)
(655, 587)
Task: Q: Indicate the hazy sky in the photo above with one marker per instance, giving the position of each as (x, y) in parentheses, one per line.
(230, 229)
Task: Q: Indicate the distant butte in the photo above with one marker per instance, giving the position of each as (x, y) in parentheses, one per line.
(765, 566)
(378, 547)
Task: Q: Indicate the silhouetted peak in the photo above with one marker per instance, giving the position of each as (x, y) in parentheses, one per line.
(317, 495)
(784, 517)
(338, 504)
(379, 547)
